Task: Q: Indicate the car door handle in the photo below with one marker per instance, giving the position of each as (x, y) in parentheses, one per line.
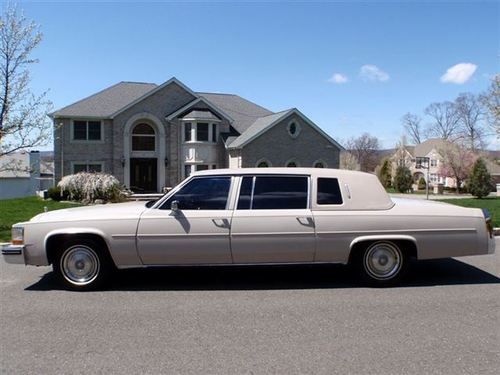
(306, 221)
(221, 223)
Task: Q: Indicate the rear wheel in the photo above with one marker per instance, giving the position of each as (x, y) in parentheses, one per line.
(382, 263)
(82, 264)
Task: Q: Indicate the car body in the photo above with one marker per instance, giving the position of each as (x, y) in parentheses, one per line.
(253, 216)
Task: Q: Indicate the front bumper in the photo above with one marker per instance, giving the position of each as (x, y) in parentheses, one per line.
(13, 254)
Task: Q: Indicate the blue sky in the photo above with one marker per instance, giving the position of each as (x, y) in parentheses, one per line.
(392, 55)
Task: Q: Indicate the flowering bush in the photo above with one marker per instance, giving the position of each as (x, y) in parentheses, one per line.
(84, 186)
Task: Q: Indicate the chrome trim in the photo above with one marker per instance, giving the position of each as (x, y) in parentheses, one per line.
(399, 231)
(13, 254)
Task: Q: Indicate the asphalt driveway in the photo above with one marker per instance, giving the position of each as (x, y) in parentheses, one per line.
(445, 319)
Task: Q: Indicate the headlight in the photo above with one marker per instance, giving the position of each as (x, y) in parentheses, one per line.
(17, 235)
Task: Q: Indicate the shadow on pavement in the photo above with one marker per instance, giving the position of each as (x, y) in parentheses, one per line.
(423, 273)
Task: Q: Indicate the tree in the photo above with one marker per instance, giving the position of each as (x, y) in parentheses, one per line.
(23, 115)
(365, 149)
(421, 183)
(480, 180)
(457, 162)
(491, 101)
(348, 161)
(470, 119)
(384, 173)
(444, 119)
(402, 179)
(412, 126)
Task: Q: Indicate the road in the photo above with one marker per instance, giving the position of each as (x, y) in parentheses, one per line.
(444, 320)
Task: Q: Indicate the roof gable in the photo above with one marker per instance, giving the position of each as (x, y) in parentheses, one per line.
(263, 124)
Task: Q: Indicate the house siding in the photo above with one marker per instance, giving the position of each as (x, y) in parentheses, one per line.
(278, 147)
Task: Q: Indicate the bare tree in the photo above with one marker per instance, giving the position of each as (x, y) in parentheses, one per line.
(413, 128)
(457, 162)
(365, 149)
(23, 115)
(470, 118)
(491, 101)
(444, 120)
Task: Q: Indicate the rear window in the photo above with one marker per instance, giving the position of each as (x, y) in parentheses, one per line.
(329, 191)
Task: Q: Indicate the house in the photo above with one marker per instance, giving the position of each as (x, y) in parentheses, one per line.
(153, 136)
(433, 149)
(25, 173)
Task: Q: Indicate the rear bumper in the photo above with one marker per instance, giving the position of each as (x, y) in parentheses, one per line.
(13, 254)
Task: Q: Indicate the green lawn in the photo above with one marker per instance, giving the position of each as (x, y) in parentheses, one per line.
(492, 204)
(22, 209)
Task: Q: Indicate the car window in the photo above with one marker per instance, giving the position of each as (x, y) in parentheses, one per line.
(273, 193)
(329, 191)
(204, 193)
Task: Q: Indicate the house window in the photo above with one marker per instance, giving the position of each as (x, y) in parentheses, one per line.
(87, 167)
(293, 129)
(214, 133)
(263, 163)
(189, 169)
(319, 164)
(143, 138)
(200, 132)
(187, 132)
(87, 130)
(291, 164)
(434, 163)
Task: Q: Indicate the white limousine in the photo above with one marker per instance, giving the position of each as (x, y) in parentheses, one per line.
(253, 216)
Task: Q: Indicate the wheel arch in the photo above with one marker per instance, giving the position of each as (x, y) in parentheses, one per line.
(56, 237)
(405, 242)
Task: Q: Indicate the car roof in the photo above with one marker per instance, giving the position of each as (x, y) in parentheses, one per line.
(324, 172)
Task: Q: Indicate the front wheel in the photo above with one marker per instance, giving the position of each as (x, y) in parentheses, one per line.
(382, 263)
(82, 265)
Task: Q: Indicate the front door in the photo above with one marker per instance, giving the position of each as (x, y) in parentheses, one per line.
(196, 233)
(143, 175)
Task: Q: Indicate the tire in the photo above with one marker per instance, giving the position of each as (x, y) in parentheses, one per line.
(382, 264)
(82, 265)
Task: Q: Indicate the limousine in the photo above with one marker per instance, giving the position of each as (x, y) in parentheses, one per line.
(253, 216)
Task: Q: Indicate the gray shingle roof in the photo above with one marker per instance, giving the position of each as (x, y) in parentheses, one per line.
(260, 125)
(106, 102)
(242, 111)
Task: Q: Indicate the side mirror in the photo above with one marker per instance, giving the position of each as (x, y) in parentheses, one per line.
(174, 206)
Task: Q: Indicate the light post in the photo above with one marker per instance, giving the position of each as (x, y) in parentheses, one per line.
(423, 162)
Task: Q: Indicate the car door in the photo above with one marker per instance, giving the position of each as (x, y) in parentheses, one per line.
(272, 221)
(196, 233)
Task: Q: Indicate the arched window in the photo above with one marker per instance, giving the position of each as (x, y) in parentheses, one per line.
(263, 163)
(291, 164)
(319, 164)
(143, 138)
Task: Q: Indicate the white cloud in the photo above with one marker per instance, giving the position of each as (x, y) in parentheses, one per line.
(338, 78)
(459, 73)
(373, 73)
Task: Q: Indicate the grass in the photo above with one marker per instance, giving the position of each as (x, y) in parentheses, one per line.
(492, 204)
(22, 209)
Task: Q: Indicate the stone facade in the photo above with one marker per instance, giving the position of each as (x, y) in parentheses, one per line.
(277, 147)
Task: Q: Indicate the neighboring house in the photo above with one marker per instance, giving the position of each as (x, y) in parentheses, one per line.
(433, 148)
(151, 136)
(24, 173)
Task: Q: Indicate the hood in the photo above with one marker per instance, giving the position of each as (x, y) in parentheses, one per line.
(112, 211)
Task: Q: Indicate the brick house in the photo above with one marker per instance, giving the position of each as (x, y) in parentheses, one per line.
(151, 136)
